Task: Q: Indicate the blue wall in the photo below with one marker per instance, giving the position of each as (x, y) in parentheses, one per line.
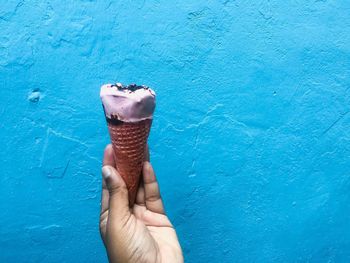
(251, 137)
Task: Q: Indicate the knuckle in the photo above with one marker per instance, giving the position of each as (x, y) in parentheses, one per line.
(153, 197)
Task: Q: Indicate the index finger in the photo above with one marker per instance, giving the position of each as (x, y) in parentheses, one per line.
(108, 156)
(108, 159)
(153, 199)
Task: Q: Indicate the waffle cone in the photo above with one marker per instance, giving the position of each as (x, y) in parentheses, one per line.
(129, 142)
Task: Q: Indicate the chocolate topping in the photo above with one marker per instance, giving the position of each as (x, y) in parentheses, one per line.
(131, 87)
(130, 103)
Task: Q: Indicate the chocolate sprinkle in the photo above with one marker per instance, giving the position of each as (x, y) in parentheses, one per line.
(131, 87)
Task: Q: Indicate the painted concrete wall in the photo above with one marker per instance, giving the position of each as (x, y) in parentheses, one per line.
(251, 137)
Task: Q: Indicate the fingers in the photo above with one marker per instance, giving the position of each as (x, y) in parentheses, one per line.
(140, 196)
(108, 156)
(118, 195)
(152, 194)
(108, 159)
(147, 154)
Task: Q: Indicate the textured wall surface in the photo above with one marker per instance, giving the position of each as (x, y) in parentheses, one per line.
(251, 137)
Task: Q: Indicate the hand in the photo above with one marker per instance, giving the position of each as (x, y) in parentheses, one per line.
(139, 234)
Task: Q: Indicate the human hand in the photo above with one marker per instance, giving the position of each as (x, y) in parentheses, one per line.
(139, 234)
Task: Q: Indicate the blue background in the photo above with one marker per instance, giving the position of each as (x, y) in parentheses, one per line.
(250, 139)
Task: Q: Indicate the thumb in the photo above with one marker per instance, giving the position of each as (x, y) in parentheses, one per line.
(118, 194)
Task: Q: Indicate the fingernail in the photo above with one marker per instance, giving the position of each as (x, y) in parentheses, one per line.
(106, 172)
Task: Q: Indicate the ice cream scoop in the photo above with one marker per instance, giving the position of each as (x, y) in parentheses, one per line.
(130, 103)
(129, 113)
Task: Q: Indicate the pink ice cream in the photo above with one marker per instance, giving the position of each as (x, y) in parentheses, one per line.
(128, 103)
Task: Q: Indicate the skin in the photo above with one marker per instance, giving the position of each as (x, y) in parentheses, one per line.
(142, 233)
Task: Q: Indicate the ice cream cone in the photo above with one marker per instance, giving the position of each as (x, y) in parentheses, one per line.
(129, 113)
(129, 142)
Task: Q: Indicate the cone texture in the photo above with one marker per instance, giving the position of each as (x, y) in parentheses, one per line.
(129, 142)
